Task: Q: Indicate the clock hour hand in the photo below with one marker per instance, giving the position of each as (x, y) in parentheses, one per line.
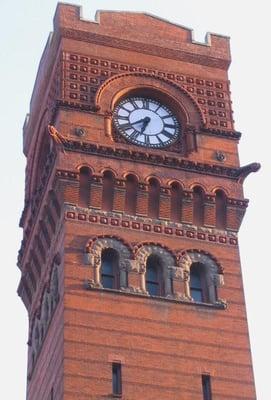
(145, 123)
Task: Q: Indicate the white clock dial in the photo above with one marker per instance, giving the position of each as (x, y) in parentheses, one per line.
(146, 122)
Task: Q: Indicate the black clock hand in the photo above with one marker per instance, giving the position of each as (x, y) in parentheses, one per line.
(138, 122)
(144, 120)
(145, 123)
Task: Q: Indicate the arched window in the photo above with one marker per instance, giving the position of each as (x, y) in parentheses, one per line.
(198, 206)
(198, 283)
(110, 269)
(84, 186)
(176, 202)
(154, 198)
(108, 191)
(154, 279)
(221, 209)
(131, 194)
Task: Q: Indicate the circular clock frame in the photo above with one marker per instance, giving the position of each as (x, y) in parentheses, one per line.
(146, 122)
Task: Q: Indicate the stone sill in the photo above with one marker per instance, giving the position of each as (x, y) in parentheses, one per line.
(219, 305)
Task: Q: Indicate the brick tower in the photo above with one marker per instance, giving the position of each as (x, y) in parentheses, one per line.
(130, 263)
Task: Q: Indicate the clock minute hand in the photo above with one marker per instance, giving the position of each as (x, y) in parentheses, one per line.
(140, 120)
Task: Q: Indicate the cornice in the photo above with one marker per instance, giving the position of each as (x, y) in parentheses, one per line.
(235, 135)
(155, 50)
(156, 159)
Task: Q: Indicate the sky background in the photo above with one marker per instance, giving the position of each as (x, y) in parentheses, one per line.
(24, 28)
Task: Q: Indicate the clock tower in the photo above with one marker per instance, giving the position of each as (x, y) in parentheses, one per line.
(133, 200)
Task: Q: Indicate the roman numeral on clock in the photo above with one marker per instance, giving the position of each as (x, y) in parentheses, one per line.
(147, 139)
(169, 126)
(167, 134)
(146, 104)
(123, 118)
(134, 104)
(159, 139)
(134, 135)
(125, 126)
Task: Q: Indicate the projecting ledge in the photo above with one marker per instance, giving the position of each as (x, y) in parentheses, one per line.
(220, 304)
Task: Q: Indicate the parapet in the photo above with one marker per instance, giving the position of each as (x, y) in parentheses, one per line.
(148, 31)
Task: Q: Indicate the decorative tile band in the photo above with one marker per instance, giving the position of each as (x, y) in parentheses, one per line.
(140, 224)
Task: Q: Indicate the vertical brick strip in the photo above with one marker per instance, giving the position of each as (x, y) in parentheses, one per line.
(164, 212)
(119, 196)
(96, 192)
(187, 207)
(70, 192)
(142, 200)
(209, 211)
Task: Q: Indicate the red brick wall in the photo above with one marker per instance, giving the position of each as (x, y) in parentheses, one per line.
(164, 345)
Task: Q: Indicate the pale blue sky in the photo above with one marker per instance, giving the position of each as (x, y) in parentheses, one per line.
(24, 28)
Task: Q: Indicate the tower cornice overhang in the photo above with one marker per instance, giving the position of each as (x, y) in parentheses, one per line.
(179, 163)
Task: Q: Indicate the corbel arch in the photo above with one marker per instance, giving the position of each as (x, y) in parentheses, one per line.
(84, 165)
(220, 188)
(108, 169)
(198, 185)
(127, 173)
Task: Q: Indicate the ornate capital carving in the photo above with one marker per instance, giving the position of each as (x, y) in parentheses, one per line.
(177, 272)
(185, 262)
(92, 259)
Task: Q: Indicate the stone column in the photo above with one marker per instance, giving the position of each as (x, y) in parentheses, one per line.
(185, 263)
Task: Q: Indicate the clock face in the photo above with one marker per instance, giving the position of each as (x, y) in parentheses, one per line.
(146, 122)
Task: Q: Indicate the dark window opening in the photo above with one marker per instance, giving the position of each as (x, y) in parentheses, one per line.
(109, 269)
(176, 202)
(221, 209)
(206, 387)
(198, 288)
(131, 194)
(154, 276)
(154, 198)
(198, 206)
(108, 191)
(84, 187)
(116, 379)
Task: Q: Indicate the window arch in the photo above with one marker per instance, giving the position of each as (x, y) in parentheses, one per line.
(198, 206)
(154, 276)
(105, 249)
(110, 269)
(154, 198)
(220, 209)
(84, 186)
(131, 185)
(205, 275)
(176, 202)
(108, 191)
(156, 263)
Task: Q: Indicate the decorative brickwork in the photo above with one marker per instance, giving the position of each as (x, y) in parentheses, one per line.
(130, 253)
